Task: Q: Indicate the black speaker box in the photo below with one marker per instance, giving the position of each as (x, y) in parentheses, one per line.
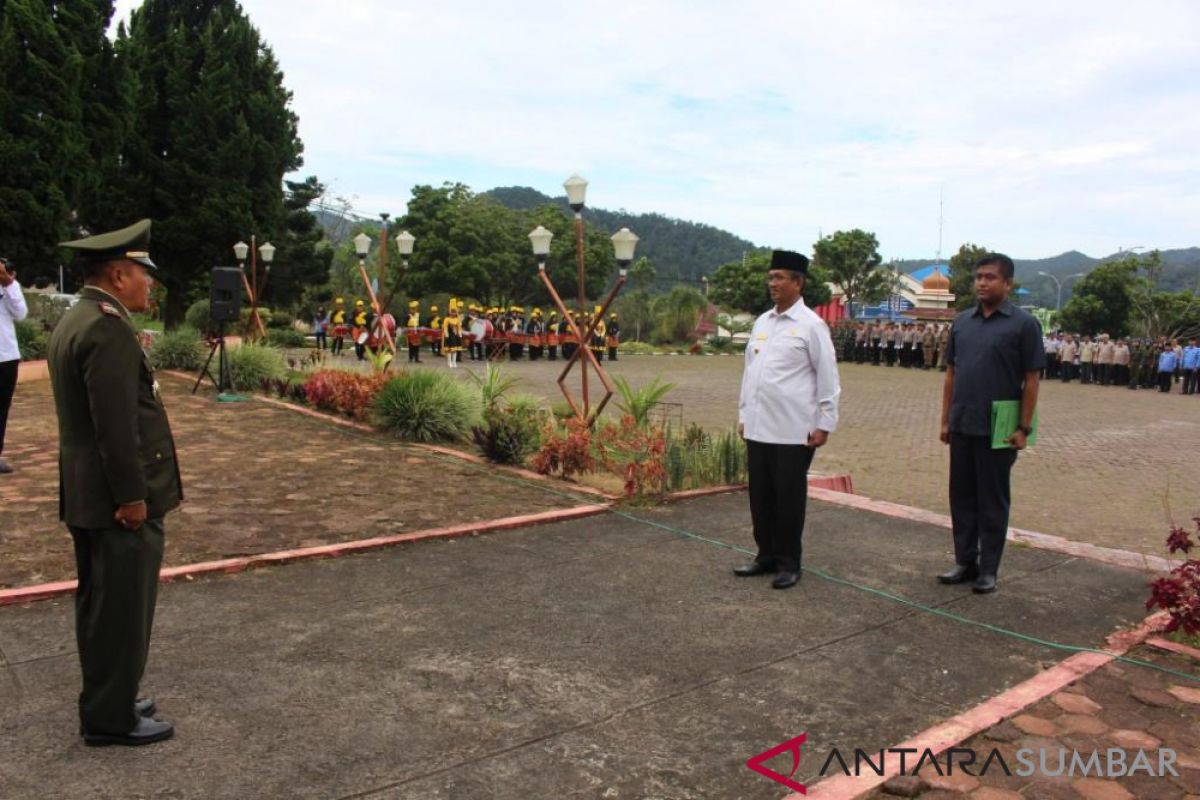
(225, 301)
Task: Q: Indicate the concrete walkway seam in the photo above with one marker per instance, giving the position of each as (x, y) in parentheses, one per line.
(1042, 541)
(957, 729)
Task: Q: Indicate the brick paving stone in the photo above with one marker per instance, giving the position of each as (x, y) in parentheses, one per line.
(1004, 732)
(1134, 740)
(958, 782)
(1077, 723)
(1049, 790)
(1076, 704)
(1034, 725)
(1119, 718)
(1100, 789)
(943, 794)
(1186, 694)
(1176, 729)
(1153, 697)
(906, 786)
(995, 777)
(991, 793)
(1188, 780)
(1146, 787)
(1044, 710)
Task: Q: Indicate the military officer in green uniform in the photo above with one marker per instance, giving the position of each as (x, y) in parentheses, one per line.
(118, 478)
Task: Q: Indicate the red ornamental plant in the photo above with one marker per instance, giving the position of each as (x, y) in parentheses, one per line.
(636, 453)
(1179, 592)
(347, 393)
(568, 452)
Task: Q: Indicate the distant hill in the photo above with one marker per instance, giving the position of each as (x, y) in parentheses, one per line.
(680, 250)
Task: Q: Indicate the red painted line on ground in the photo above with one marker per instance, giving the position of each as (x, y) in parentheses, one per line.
(45, 591)
(832, 483)
(1041, 541)
(1174, 647)
(958, 729)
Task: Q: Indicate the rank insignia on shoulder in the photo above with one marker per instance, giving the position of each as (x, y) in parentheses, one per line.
(156, 388)
(109, 308)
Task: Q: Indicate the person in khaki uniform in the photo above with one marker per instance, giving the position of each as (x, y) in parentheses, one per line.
(1104, 360)
(928, 340)
(118, 479)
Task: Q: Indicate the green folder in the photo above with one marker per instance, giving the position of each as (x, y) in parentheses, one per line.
(1006, 416)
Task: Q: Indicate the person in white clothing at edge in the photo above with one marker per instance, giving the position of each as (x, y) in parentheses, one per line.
(787, 409)
(12, 309)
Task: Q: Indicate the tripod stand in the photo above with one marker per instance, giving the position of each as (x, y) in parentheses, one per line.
(225, 382)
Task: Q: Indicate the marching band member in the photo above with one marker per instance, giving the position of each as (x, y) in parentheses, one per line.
(435, 322)
(337, 324)
(614, 336)
(412, 333)
(552, 336)
(452, 334)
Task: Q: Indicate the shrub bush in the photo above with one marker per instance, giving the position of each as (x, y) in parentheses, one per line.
(566, 451)
(32, 339)
(178, 349)
(638, 348)
(250, 364)
(637, 403)
(285, 337)
(427, 406)
(348, 393)
(635, 452)
(509, 435)
(279, 319)
(1178, 593)
(196, 316)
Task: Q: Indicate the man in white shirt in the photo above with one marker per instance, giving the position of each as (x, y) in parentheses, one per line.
(787, 409)
(12, 308)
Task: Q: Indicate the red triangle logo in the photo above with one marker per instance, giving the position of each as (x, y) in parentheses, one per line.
(757, 763)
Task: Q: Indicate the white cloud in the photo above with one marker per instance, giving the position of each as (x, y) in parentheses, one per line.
(1051, 126)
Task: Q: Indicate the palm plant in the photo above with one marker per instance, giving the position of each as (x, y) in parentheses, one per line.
(638, 402)
(493, 385)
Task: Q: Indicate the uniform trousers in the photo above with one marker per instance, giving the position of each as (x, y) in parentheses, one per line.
(979, 500)
(778, 499)
(1191, 383)
(8, 385)
(114, 613)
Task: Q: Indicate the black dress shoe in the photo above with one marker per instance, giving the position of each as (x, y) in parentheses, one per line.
(960, 574)
(984, 584)
(785, 580)
(145, 706)
(147, 731)
(754, 568)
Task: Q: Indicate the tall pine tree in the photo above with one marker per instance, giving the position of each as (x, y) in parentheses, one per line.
(40, 137)
(212, 138)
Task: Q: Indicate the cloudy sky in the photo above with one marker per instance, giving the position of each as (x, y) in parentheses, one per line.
(1048, 125)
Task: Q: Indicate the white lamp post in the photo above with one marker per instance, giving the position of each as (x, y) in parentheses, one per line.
(540, 238)
(624, 241)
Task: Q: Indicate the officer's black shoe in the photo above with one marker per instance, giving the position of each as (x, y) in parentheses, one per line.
(785, 580)
(5, 468)
(984, 584)
(752, 569)
(145, 706)
(147, 731)
(960, 574)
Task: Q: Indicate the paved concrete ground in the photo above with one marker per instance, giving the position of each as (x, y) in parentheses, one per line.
(600, 658)
(1111, 467)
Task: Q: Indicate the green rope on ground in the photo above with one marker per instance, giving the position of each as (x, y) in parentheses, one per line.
(225, 397)
(932, 610)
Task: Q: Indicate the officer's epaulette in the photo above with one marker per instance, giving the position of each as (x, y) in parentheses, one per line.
(109, 308)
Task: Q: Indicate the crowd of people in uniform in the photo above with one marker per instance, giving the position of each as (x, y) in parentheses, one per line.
(1101, 360)
(918, 345)
(483, 333)
(1136, 363)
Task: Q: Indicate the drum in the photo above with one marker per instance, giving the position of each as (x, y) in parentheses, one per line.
(362, 337)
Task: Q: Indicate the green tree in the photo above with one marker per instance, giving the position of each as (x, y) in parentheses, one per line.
(302, 258)
(1102, 300)
(962, 274)
(1157, 313)
(851, 261)
(211, 139)
(676, 314)
(742, 285)
(40, 136)
(634, 305)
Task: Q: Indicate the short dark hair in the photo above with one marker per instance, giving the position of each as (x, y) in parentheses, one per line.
(1007, 268)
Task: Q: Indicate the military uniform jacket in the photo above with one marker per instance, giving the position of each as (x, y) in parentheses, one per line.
(115, 444)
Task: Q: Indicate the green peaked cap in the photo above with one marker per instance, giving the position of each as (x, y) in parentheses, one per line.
(130, 243)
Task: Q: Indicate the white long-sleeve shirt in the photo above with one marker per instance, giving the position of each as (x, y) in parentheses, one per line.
(790, 386)
(12, 309)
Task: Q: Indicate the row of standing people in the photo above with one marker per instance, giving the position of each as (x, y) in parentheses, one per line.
(1135, 363)
(917, 345)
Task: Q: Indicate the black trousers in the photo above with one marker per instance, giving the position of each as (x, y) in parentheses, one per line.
(114, 613)
(1165, 380)
(979, 500)
(1191, 382)
(414, 353)
(8, 385)
(778, 499)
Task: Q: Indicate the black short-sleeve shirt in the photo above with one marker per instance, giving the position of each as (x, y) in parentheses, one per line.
(990, 356)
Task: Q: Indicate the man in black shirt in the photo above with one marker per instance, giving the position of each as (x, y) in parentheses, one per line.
(995, 352)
